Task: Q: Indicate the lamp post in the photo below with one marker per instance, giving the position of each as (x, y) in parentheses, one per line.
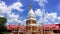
(51, 29)
(41, 28)
(18, 28)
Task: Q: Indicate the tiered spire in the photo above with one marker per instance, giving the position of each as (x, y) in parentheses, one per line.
(31, 14)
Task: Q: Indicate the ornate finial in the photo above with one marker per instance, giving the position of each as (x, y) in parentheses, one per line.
(30, 6)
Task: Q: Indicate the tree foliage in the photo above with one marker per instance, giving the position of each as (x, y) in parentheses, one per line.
(3, 29)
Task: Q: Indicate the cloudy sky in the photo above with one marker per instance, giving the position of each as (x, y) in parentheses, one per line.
(16, 11)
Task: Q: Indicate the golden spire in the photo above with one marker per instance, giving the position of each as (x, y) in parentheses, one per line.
(30, 6)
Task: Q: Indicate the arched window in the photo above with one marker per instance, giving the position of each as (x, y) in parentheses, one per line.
(28, 27)
(34, 27)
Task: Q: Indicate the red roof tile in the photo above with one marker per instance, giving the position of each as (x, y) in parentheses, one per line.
(46, 27)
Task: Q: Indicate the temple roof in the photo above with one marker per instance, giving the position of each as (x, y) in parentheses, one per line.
(45, 27)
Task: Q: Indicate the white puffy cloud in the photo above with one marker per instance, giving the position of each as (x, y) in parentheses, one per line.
(51, 16)
(13, 16)
(47, 18)
(6, 11)
(58, 18)
(1, 15)
(38, 12)
(41, 2)
(3, 8)
(17, 6)
(56, 23)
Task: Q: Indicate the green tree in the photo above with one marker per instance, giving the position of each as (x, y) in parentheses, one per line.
(3, 28)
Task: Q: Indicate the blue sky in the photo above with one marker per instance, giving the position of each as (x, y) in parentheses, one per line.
(16, 11)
